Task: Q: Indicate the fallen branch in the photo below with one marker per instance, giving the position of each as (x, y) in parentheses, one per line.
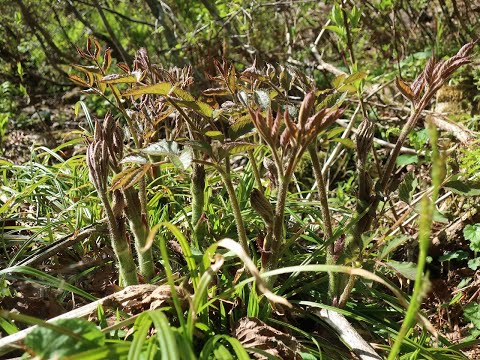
(348, 334)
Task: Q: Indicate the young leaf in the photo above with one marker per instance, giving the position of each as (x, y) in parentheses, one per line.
(472, 234)
(107, 59)
(407, 187)
(355, 76)
(181, 159)
(88, 69)
(157, 89)
(404, 89)
(472, 313)
(182, 94)
(198, 106)
(133, 77)
(262, 99)
(129, 177)
(78, 80)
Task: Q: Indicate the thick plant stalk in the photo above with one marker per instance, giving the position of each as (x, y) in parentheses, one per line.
(139, 227)
(120, 244)
(322, 193)
(97, 161)
(197, 189)
(227, 180)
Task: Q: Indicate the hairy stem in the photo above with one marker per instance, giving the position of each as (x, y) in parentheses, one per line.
(139, 227)
(256, 173)
(227, 180)
(322, 193)
(120, 245)
(197, 189)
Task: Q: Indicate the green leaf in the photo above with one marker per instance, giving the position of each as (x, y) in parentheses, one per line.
(454, 255)
(307, 356)
(355, 77)
(335, 29)
(47, 343)
(157, 89)
(238, 147)
(406, 159)
(472, 233)
(182, 94)
(346, 142)
(339, 81)
(198, 106)
(336, 14)
(215, 134)
(334, 132)
(464, 188)
(472, 313)
(406, 269)
(240, 127)
(407, 187)
(474, 264)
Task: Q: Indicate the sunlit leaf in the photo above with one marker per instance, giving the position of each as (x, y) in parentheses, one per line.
(134, 77)
(238, 147)
(262, 99)
(136, 159)
(471, 233)
(181, 159)
(157, 89)
(215, 134)
(78, 80)
(346, 142)
(88, 69)
(356, 76)
(339, 81)
(404, 89)
(198, 106)
(182, 94)
(129, 177)
(216, 92)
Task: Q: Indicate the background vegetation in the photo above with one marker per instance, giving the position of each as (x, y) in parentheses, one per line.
(266, 164)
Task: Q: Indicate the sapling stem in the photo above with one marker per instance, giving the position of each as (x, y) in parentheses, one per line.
(120, 245)
(322, 193)
(197, 189)
(237, 214)
(256, 173)
(139, 226)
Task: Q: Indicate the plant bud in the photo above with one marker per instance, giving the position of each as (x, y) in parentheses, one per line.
(365, 134)
(306, 108)
(98, 134)
(262, 206)
(108, 126)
